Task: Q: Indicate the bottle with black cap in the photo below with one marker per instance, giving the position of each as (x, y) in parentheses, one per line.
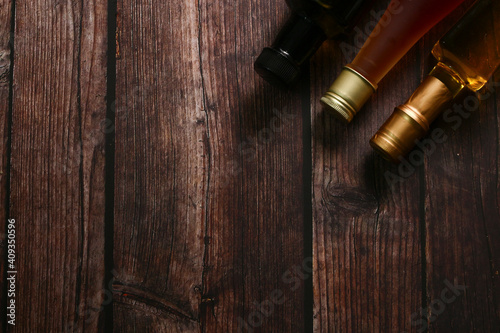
(311, 23)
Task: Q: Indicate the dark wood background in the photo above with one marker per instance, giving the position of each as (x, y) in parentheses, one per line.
(158, 184)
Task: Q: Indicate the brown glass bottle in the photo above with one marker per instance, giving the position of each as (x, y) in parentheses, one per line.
(467, 55)
(311, 23)
(402, 25)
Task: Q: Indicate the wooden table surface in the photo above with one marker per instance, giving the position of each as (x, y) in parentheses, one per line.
(158, 184)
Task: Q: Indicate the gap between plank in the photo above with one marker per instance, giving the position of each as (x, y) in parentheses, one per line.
(109, 186)
(307, 195)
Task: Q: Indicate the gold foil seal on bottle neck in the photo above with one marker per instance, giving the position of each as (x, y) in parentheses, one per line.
(411, 121)
(348, 94)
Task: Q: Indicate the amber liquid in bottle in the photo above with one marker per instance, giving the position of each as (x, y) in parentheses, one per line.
(402, 25)
(472, 48)
(467, 55)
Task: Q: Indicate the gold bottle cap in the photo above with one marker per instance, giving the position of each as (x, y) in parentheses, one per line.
(348, 94)
(411, 121)
(397, 136)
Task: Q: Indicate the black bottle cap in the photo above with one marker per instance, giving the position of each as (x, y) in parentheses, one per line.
(276, 68)
(297, 41)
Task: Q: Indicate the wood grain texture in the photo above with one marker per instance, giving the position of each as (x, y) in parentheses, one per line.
(194, 215)
(462, 213)
(436, 229)
(462, 244)
(5, 84)
(255, 206)
(57, 173)
(366, 245)
(367, 229)
(161, 168)
(211, 209)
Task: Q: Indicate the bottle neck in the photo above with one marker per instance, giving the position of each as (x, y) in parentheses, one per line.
(411, 121)
(450, 78)
(299, 39)
(296, 42)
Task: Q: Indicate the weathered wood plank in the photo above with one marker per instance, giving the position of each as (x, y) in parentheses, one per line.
(254, 279)
(161, 168)
(463, 229)
(5, 81)
(366, 245)
(463, 216)
(57, 173)
(177, 157)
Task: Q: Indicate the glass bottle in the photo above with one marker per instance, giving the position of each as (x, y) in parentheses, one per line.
(311, 23)
(468, 56)
(401, 26)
